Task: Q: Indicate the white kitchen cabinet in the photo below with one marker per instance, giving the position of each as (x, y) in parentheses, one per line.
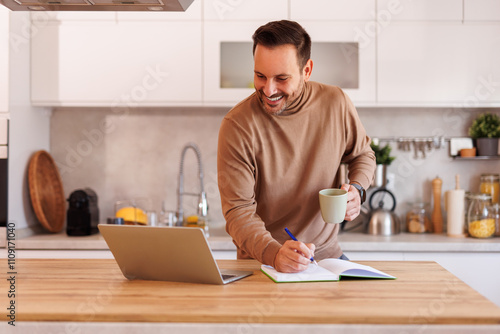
(481, 10)
(356, 46)
(475, 269)
(238, 10)
(108, 63)
(63, 254)
(421, 10)
(217, 89)
(338, 10)
(4, 59)
(478, 270)
(220, 85)
(93, 254)
(441, 64)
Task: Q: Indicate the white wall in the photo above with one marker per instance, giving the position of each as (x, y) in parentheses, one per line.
(29, 127)
(139, 156)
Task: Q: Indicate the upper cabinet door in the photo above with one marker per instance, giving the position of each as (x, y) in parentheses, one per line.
(343, 55)
(481, 10)
(439, 64)
(4, 59)
(109, 63)
(421, 10)
(252, 10)
(228, 60)
(338, 10)
(340, 54)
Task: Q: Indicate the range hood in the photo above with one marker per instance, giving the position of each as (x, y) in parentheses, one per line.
(97, 5)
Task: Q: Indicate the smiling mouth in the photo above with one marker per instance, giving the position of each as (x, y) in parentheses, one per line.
(274, 99)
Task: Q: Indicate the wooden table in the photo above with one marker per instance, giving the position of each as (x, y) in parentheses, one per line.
(90, 290)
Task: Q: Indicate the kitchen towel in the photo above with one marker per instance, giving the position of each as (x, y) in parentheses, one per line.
(454, 204)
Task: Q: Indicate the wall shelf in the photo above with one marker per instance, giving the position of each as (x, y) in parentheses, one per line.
(479, 157)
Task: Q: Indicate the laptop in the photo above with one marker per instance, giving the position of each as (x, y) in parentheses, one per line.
(177, 254)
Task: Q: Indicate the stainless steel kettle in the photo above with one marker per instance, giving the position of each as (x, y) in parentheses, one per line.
(382, 221)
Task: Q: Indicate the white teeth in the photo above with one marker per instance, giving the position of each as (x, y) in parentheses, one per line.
(275, 98)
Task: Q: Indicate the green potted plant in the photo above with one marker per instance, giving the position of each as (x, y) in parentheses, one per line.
(383, 159)
(485, 129)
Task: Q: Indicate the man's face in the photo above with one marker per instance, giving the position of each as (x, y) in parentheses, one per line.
(278, 79)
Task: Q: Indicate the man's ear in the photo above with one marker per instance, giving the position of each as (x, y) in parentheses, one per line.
(308, 70)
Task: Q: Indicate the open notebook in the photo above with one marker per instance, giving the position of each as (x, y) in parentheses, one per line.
(326, 270)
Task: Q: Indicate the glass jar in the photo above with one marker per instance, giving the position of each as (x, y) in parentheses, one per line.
(417, 219)
(490, 185)
(479, 221)
(495, 215)
(467, 200)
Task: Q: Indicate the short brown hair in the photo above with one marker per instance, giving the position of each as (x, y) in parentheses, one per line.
(277, 33)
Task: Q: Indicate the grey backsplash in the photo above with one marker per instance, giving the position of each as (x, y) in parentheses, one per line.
(135, 153)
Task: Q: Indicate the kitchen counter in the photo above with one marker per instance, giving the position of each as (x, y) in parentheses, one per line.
(219, 240)
(468, 258)
(412, 242)
(92, 296)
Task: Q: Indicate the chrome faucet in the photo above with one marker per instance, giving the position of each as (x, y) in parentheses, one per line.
(202, 196)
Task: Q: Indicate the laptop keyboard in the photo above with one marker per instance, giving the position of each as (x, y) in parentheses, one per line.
(227, 276)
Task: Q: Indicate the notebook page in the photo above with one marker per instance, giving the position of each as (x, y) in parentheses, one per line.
(312, 273)
(339, 266)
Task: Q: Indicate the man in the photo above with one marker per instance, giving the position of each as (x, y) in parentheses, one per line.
(280, 146)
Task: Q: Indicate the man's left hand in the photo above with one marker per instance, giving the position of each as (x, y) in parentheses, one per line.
(353, 202)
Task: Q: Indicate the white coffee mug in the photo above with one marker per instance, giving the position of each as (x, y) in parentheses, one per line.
(333, 205)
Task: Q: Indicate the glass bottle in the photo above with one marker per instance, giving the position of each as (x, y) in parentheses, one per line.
(490, 185)
(479, 221)
(167, 218)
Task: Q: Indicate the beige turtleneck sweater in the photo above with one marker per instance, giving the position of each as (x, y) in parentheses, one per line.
(271, 168)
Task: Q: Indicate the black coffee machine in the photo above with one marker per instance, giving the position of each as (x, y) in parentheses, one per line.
(83, 213)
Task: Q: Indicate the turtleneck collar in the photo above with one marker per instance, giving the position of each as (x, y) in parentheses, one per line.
(297, 104)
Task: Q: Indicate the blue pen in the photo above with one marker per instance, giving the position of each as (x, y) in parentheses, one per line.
(295, 239)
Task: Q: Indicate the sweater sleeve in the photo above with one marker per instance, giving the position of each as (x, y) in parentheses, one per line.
(358, 154)
(236, 170)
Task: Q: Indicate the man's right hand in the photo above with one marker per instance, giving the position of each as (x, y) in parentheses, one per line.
(293, 257)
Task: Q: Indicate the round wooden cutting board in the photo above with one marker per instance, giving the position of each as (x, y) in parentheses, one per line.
(46, 191)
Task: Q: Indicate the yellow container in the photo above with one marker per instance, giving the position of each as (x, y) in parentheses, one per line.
(490, 185)
(483, 228)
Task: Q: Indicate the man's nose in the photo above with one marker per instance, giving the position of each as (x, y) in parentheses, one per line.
(270, 88)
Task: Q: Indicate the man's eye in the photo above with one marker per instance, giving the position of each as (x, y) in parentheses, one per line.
(283, 79)
(260, 76)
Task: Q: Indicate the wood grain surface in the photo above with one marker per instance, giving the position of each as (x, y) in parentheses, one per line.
(95, 290)
(46, 191)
